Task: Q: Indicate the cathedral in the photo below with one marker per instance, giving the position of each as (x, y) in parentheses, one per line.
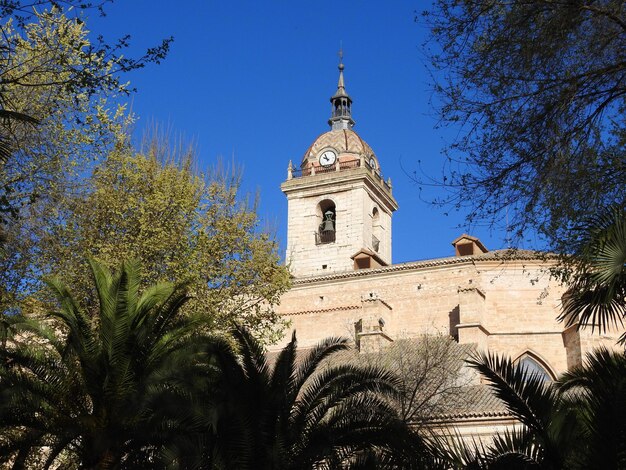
(339, 246)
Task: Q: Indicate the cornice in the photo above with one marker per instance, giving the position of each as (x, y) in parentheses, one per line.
(499, 256)
(336, 180)
(322, 310)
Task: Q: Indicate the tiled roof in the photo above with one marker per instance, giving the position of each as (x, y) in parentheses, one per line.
(479, 402)
(468, 401)
(343, 141)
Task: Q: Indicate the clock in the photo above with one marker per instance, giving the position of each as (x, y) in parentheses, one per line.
(372, 163)
(328, 158)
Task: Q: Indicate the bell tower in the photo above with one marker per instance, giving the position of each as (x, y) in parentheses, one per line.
(339, 204)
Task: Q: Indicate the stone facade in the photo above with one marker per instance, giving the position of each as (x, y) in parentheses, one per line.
(501, 301)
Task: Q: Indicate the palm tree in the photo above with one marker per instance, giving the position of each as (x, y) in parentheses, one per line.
(306, 412)
(549, 436)
(575, 423)
(114, 391)
(598, 391)
(597, 296)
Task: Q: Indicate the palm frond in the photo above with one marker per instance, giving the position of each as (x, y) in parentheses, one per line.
(597, 297)
(335, 384)
(304, 416)
(514, 448)
(525, 394)
(452, 450)
(113, 388)
(315, 357)
(598, 391)
(284, 372)
(252, 355)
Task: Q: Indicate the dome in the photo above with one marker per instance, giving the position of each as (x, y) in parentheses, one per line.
(345, 142)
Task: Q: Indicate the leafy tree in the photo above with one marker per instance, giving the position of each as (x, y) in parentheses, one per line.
(538, 89)
(57, 95)
(98, 65)
(597, 273)
(180, 223)
(308, 412)
(107, 392)
(58, 91)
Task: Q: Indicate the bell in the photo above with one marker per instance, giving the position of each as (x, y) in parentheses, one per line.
(328, 225)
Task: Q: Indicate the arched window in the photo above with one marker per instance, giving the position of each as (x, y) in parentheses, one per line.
(534, 366)
(327, 222)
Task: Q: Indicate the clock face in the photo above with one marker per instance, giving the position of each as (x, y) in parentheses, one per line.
(373, 163)
(328, 158)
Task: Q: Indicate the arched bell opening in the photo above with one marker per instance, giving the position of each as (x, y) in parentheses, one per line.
(327, 222)
(376, 229)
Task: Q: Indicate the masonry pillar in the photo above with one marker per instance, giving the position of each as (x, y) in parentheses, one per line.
(471, 313)
(370, 334)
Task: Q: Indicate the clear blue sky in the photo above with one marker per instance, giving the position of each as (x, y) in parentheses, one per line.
(252, 80)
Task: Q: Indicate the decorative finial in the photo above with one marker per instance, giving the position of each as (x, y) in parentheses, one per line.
(340, 117)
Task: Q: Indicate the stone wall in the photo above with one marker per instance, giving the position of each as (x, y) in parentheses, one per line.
(505, 306)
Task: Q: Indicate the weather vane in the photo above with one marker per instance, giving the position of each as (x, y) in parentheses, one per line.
(340, 54)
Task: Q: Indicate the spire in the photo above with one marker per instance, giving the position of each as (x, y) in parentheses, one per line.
(340, 114)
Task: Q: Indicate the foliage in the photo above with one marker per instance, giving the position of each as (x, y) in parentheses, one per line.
(598, 389)
(597, 287)
(180, 223)
(141, 386)
(47, 128)
(549, 436)
(309, 412)
(577, 422)
(538, 90)
(99, 63)
(57, 90)
(109, 392)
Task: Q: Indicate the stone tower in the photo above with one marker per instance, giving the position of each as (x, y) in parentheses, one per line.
(339, 205)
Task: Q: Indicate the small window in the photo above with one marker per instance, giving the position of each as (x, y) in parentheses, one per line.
(465, 249)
